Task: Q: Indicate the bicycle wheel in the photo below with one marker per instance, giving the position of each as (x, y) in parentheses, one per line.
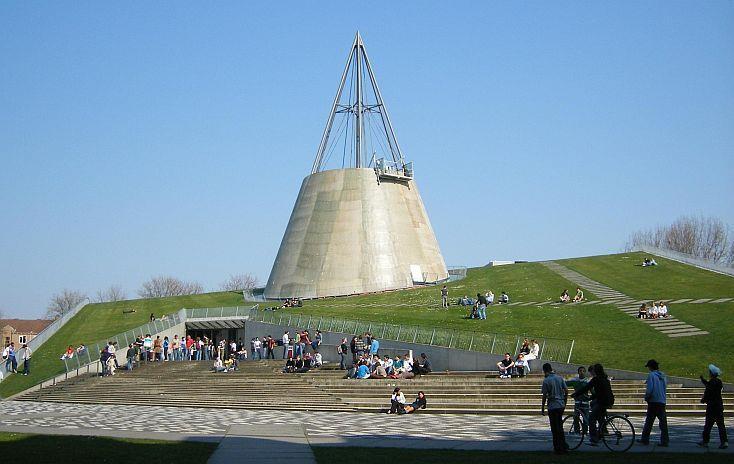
(617, 433)
(574, 430)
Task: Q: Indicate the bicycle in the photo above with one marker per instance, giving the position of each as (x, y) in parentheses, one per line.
(617, 432)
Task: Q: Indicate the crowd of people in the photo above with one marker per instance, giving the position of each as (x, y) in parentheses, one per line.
(593, 396)
(11, 356)
(478, 307)
(653, 310)
(520, 365)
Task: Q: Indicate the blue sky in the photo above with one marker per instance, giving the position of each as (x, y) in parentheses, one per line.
(171, 138)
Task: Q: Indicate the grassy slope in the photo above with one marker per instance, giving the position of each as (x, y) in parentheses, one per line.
(95, 322)
(523, 282)
(669, 280)
(602, 333)
(66, 449)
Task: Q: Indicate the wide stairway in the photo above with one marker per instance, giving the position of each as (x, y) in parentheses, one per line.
(261, 385)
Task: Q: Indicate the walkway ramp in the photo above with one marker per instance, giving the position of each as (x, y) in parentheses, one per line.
(670, 326)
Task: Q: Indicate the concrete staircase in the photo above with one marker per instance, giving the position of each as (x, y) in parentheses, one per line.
(261, 385)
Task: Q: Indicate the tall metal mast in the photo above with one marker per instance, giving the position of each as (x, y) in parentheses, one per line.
(357, 109)
(359, 125)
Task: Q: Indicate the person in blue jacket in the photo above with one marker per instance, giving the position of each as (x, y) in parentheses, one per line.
(655, 397)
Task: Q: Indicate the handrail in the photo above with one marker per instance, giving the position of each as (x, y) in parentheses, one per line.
(42, 336)
(90, 356)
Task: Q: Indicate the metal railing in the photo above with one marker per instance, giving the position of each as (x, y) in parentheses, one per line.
(686, 259)
(88, 360)
(122, 340)
(221, 312)
(51, 329)
(429, 279)
(551, 349)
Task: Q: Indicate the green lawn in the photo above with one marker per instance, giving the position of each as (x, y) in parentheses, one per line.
(337, 454)
(78, 449)
(669, 280)
(96, 322)
(602, 333)
(523, 282)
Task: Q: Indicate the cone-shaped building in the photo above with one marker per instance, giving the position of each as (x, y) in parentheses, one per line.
(361, 227)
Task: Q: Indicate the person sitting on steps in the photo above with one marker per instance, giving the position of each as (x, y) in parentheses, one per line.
(423, 366)
(419, 403)
(564, 296)
(397, 402)
(579, 295)
(505, 366)
(521, 365)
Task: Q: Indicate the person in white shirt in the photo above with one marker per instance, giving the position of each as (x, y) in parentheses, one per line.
(318, 360)
(534, 353)
(654, 311)
(26, 358)
(388, 363)
(397, 401)
(218, 365)
(521, 365)
(286, 341)
(257, 345)
(490, 297)
(663, 309)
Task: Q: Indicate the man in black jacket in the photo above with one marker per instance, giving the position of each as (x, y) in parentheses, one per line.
(423, 365)
(714, 408)
(602, 399)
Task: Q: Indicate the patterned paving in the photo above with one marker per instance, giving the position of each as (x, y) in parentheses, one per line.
(318, 424)
(670, 326)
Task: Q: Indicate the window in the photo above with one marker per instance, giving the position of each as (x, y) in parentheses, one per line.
(21, 339)
(7, 340)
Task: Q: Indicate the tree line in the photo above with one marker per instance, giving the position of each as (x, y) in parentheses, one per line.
(707, 238)
(155, 287)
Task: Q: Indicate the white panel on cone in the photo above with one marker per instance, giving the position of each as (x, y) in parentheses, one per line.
(349, 233)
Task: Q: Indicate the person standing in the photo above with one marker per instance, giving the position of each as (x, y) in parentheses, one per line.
(286, 341)
(342, 350)
(271, 347)
(445, 297)
(11, 365)
(482, 306)
(130, 355)
(602, 399)
(655, 397)
(26, 357)
(374, 347)
(714, 408)
(555, 394)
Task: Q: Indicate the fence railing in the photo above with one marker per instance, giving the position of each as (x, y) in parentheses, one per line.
(122, 340)
(551, 349)
(454, 273)
(686, 259)
(51, 329)
(221, 312)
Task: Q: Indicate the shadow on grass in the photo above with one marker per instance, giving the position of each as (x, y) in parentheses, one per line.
(80, 449)
(339, 454)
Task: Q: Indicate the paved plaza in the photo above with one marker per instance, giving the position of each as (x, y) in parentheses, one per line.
(263, 427)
